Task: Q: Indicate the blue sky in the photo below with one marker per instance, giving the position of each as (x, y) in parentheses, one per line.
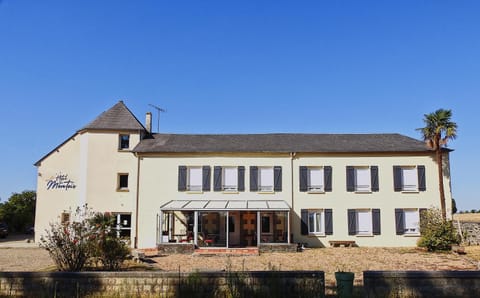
(238, 67)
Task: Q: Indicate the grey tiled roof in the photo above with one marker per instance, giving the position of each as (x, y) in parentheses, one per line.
(118, 117)
(309, 143)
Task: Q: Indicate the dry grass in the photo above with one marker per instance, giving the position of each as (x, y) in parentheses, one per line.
(328, 260)
(473, 252)
(467, 217)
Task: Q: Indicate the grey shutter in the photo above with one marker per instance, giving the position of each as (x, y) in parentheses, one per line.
(277, 178)
(303, 178)
(253, 178)
(421, 214)
(304, 222)
(327, 177)
(352, 222)
(328, 222)
(421, 178)
(376, 222)
(182, 178)
(397, 178)
(399, 221)
(374, 177)
(241, 178)
(206, 178)
(350, 178)
(217, 178)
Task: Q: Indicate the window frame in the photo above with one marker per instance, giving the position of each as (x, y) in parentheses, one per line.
(415, 170)
(356, 189)
(368, 212)
(259, 180)
(309, 178)
(234, 188)
(322, 222)
(119, 182)
(416, 232)
(121, 141)
(189, 186)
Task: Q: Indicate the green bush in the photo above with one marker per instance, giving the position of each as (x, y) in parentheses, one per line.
(90, 237)
(437, 234)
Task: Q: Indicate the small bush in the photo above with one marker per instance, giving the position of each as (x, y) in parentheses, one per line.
(437, 234)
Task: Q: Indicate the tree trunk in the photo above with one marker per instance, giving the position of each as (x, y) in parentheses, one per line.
(440, 182)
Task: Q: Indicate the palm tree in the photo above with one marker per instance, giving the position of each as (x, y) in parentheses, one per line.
(438, 130)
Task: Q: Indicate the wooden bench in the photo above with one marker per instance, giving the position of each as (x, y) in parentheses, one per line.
(344, 243)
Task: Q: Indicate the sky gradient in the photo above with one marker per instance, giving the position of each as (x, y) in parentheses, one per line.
(238, 67)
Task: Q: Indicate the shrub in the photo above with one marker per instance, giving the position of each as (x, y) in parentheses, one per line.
(89, 237)
(437, 234)
(69, 244)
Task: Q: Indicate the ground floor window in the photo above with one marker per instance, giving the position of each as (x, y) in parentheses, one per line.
(407, 221)
(274, 227)
(123, 225)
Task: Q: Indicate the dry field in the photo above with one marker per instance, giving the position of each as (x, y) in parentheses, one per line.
(467, 217)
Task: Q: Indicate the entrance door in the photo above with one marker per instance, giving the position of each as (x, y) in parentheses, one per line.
(234, 229)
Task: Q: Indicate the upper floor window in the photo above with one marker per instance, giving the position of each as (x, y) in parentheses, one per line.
(123, 142)
(194, 178)
(362, 178)
(409, 178)
(65, 218)
(363, 222)
(122, 184)
(266, 179)
(315, 179)
(229, 179)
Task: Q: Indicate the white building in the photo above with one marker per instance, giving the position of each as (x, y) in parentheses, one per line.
(240, 190)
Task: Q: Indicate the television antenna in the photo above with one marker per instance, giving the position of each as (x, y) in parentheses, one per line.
(159, 109)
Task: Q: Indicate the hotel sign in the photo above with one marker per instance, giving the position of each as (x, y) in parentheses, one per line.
(60, 181)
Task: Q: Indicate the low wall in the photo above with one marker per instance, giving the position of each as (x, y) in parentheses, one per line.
(277, 247)
(161, 284)
(175, 248)
(421, 283)
(471, 232)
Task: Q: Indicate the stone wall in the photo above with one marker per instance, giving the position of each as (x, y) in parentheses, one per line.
(161, 284)
(175, 248)
(471, 232)
(421, 283)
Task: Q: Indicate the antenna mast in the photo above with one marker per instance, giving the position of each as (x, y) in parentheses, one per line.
(159, 109)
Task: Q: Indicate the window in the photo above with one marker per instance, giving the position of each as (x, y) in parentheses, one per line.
(265, 179)
(316, 179)
(65, 218)
(266, 226)
(122, 182)
(363, 222)
(230, 179)
(407, 221)
(124, 142)
(362, 179)
(123, 225)
(409, 178)
(194, 179)
(316, 222)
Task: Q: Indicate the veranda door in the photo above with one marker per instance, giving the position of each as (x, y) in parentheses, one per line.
(234, 228)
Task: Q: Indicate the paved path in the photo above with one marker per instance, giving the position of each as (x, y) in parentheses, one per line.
(17, 240)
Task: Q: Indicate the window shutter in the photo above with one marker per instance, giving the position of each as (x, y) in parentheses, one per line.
(277, 178)
(376, 221)
(350, 178)
(328, 222)
(399, 221)
(397, 178)
(304, 222)
(206, 178)
(422, 213)
(421, 178)
(303, 178)
(352, 222)
(217, 178)
(327, 176)
(182, 178)
(374, 177)
(241, 178)
(253, 178)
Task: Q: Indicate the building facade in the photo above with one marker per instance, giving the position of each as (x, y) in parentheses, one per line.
(240, 190)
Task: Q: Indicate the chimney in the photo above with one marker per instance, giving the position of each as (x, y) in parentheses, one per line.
(148, 122)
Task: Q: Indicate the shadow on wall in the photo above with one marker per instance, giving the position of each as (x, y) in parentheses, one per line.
(303, 239)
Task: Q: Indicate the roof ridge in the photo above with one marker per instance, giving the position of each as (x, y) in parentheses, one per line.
(118, 117)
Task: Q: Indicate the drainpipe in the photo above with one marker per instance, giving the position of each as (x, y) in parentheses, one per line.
(136, 201)
(292, 156)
